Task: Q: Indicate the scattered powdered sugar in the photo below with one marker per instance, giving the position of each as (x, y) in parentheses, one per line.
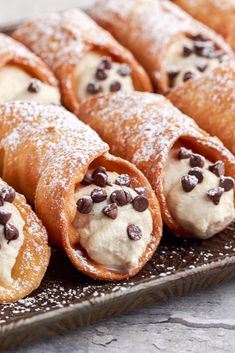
(64, 286)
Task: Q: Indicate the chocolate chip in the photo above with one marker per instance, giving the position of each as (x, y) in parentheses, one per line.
(184, 153)
(115, 86)
(199, 38)
(94, 88)
(189, 182)
(10, 232)
(8, 194)
(187, 76)
(123, 180)
(100, 74)
(4, 216)
(85, 204)
(141, 191)
(34, 86)
(124, 70)
(100, 179)
(106, 63)
(121, 197)
(140, 203)
(196, 160)
(201, 67)
(98, 195)
(203, 49)
(217, 168)
(187, 52)
(197, 172)
(134, 232)
(1, 200)
(99, 169)
(227, 183)
(215, 195)
(111, 210)
(87, 180)
(172, 74)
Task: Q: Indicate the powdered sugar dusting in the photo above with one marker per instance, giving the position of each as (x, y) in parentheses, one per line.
(63, 286)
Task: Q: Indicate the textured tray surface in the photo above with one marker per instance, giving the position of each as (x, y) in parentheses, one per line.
(175, 260)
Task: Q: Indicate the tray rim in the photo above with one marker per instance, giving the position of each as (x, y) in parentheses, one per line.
(58, 313)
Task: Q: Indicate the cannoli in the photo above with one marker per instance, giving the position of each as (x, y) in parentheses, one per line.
(84, 57)
(210, 101)
(100, 209)
(191, 172)
(23, 76)
(219, 15)
(24, 251)
(171, 45)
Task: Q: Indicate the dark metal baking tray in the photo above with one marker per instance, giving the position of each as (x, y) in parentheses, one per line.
(67, 299)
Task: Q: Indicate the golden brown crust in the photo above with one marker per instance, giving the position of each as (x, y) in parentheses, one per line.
(210, 101)
(47, 152)
(219, 15)
(146, 126)
(147, 28)
(33, 258)
(61, 40)
(13, 52)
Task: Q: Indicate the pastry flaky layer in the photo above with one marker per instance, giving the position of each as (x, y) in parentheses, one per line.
(151, 28)
(45, 154)
(24, 252)
(63, 40)
(146, 127)
(219, 15)
(210, 101)
(14, 53)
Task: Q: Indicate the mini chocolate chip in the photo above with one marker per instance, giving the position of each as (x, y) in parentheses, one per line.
(94, 88)
(123, 180)
(187, 52)
(134, 232)
(99, 169)
(188, 182)
(141, 191)
(187, 76)
(217, 168)
(85, 204)
(115, 86)
(1, 200)
(199, 37)
(124, 70)
(204, 48)
(121, 197)
(140, 203)
(98, 195)
(87, 180)
(201, 67)
(106, 63)
(100, 74)
(100, 179)
(8, 194)
(172, 75)
(4, 216)
(10, 232)
(111, 210)
(196, 160)
(215, 194)
(227, 183)
(197, 172)
(34, 86)
(184, 153)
